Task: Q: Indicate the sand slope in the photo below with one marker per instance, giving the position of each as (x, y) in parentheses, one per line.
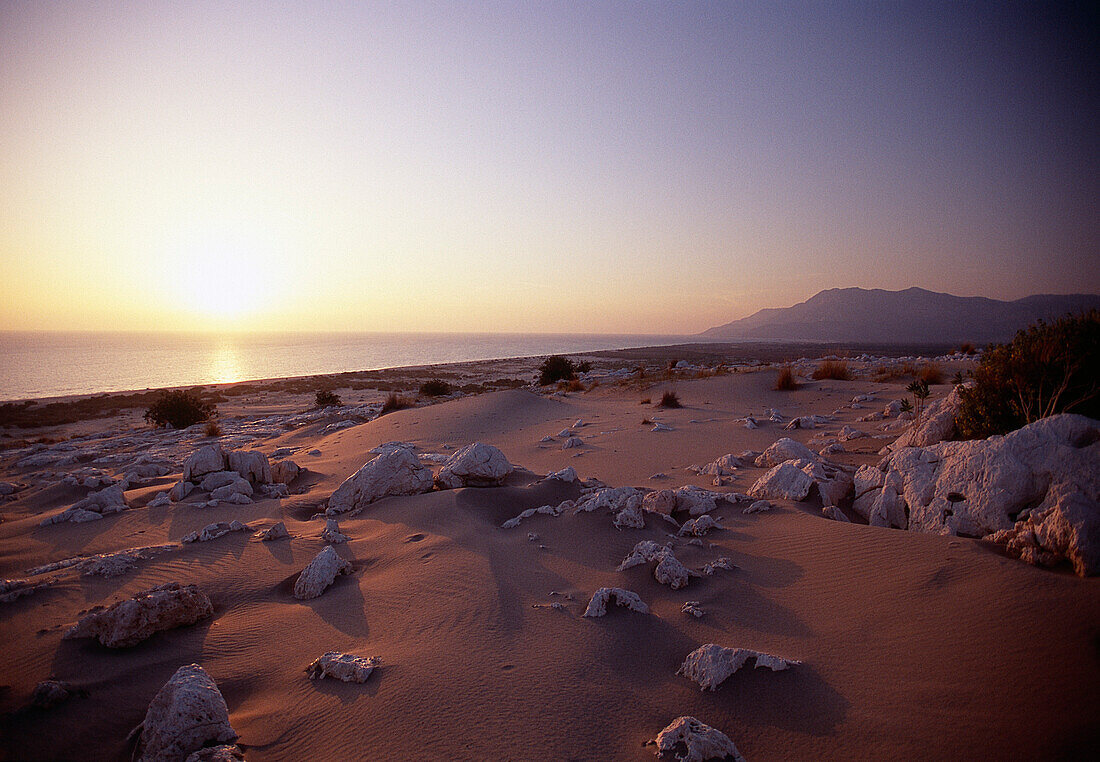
(913, 646)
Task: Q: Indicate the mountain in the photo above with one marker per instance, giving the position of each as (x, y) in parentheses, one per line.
(912, 316)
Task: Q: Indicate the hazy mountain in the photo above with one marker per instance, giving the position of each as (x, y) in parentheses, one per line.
(910, 316)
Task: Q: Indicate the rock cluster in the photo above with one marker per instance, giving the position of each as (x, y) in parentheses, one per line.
(605, 595)
(214, 531)
(686, 739)
(395, 471)
(475, 465)
(710, 665)
(668, 570)
(95, 506)
(341, 666)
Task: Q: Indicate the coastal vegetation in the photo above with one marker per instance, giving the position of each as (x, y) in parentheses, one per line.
(179, 408)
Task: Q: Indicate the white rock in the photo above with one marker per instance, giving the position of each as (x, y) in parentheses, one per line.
(276, 532)
(395, 472)
(605, 595)
(214, 531)
(320, 573)
(700, 526)
(129, 622)
(937, 423)
(238, 487)
(710, 665)
(216, 479)
(180, 490)
(251, 465)
(834, 513)
(331, 533)
(689, 740)
(285, 471)
(187, 714)
(205, 460)
(475, 465)
(568, 475)
(661, 427)
(668, 570)
(723, 466)
(346, 667)
(92, 507)
(572, 442)
(693, 608)
(719, 564)
(783, 450)
(848, 433)
(160, 500)
(785, 481)
(757, 506)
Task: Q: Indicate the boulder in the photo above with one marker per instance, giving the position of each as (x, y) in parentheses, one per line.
(785, 481)
(205, 460)
(783, 450)
(49, 693)
(285, 471)
(686, 739)
(700, 526)
(180, 490)
(214, 531)
(251, 465)
(936, 423)
(1064, 527)
(668, 570)
(723, 466)
(185, 716)
(238, 487)
(331, 533)
(94, 506)
(277, 532)
(605, 595)
(849, 433)
(221, 753)
(216, 479)
(320, 573)
(129, 622)
(346, 667)
(396, 471)
(475, 465)
(710, 665)
(572, 442)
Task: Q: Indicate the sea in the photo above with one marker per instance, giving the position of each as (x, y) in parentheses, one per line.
(54, 364)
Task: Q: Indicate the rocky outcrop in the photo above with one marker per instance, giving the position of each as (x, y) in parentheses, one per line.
(1065, 527)
(785, 481)
(94, 506)
(475, 465)
(605, 595)
(346, 667)
(277, 532)
(395, 471)
(214, 531)
(936, 424)
(668, 570)
(700, 526)
(711, 664)
(185, 716)
(129, 622)
(332, 534)
(285, 471)
(320, 573)
(686, 739)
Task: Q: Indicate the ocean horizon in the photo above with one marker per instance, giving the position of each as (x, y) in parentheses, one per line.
(38, 364)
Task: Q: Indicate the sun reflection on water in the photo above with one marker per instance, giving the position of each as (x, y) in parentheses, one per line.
(223, 365)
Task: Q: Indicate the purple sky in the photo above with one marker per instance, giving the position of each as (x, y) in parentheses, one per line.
(536, 166)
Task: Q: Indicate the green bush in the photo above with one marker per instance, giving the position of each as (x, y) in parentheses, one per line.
(1047, 369)
(435, 388)
(179, 409)
(556, 368)
(326, 398)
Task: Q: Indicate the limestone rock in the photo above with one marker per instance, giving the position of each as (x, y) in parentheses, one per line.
(723, 466)
(346, 667)
(320, 573)
(548, 510)
(758, 506)
(848, 433)
(49, 693)
(572, 442)
(214, 531)
(692, 608)
(834, 513)
(186, 715)
(129, 622)
(238, 487)
(723, 564)
(221, 753)
(700, 526)
(710, 665)
(277, 532)
(205, 460)
(251, 465)
(937, 423)
(786, 481)
(180, 490)
(668, 570)
(285, 471)
(331, 533)
(686, 739)
(94, 506)
(160, 500)
(783, 450)
(567, 474)
(396, 471)
(1064, 527)
(216, 479)
(605, 595)
(475, 465)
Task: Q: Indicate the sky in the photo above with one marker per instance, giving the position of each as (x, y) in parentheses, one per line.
(603, 167)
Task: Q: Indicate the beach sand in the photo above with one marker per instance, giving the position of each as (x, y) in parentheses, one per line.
(912, 646)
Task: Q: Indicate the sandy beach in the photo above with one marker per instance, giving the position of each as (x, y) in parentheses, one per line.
(909, 644)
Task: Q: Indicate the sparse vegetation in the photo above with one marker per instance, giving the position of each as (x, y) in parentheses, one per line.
(785, 381)
(212, 429)
(1046, 369)
(179, 409)
(583, 367)
(647, 422)
(967, 348)
(833, 369)
(436, 387)
(571, 386)
(326, 398)
(645, 401)
(906, 406)
(395, 402)
(556, 368)
(919, 390)
(930, 373)
(957, 378)
(669, 400)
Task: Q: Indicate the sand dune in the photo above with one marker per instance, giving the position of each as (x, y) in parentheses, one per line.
(911, 645)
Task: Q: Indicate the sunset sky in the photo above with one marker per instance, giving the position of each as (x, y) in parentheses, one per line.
(556, 166)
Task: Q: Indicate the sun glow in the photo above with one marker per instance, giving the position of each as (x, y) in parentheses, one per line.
(222, 277)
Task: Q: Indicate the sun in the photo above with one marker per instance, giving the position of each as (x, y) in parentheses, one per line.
(222, 278)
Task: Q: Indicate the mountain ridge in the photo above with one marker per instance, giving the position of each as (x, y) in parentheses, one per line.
(912, 315)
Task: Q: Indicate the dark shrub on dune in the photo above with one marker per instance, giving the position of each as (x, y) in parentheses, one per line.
(179, 409)
(556, 368)
(395, 402)
(785, 381)
(669, 399)
(931, 374)
(834, 369)
(326, 398)
(1047, 369)
(435, 388)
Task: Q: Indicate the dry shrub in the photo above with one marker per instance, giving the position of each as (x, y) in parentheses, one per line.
(967, 348)
(570, 386)
(326, 398)
(395, 402)
(556, 368)
(785, 381)
(437, 387)
(212, 429)
(833, 369)
(645, 401)
(930, 374)
(647, 422)
(895, 372)
(669, 400)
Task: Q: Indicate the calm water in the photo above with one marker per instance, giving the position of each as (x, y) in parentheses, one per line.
(55, 364)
